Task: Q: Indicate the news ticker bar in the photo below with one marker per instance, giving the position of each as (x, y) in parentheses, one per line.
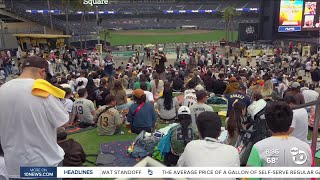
(170, 172)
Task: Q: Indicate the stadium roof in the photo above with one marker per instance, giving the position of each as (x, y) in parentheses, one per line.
(48, 36)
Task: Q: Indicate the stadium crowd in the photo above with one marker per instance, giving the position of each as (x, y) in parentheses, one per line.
(54, 90)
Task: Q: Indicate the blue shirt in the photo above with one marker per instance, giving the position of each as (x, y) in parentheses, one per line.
(145, 117)
(237, 95)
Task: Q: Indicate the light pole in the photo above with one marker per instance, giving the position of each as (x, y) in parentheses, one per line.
(98, 23)
(2, 35)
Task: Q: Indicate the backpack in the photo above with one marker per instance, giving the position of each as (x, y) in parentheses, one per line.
(143, 146)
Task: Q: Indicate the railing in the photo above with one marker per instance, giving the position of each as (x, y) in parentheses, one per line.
(20, 10)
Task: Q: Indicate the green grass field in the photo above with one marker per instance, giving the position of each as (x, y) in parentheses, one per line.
(165, 36)
(90, 140)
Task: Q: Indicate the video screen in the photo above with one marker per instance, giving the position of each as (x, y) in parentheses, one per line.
(310, 8)
(308, 21)
(311, 15)
(290, 18)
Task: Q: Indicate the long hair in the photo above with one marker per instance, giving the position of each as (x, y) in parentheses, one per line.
(267, 89)
(156, 80)
(185, 121)
(234, 122)
(90, 85)
(117, 85)
(168, 101)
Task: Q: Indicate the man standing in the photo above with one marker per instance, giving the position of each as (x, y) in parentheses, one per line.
(108, 66)
(299, 125)
(160, 64)
(28, 131)
(178, 51)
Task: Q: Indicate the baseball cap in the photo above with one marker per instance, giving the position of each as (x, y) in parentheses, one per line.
(183, 110)
(138, 93)
(37, 62)
(233, 79)
(199, 88)
(295, 85)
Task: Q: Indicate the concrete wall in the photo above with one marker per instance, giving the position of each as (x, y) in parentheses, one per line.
(28, 28)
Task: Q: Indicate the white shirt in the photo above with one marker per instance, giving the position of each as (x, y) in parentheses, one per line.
(83, 79)
(149, 96)
(67, 104)
(202, 58)
(308, 65)
(188, 91)
(28, 127)
(2, 74)
(310, 95)
(189, 99)
(300, 124)
(50, 68)
(209, 153)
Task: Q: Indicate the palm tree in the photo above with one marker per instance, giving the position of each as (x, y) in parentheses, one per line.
(66, 5)
(228, 15)
(83, 8)
(50, 17)
(105, 36)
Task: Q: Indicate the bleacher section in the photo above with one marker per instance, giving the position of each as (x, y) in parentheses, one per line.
(135, 16)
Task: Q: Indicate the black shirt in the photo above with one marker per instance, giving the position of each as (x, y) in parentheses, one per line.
(219, 86)
(99, 95)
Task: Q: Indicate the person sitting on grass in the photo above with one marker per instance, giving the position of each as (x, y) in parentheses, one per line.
(207, 151)
(108, 118)
(149, 95)
(73, 152)
(84, 109)
(67, 102)
(181, 135)
(235, 123)
(142, 115)
(279, 119)
(167, 105)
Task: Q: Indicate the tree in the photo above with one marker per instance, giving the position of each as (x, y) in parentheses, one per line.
(83, 8)
(228, 15)
(105, 36)
(66, 5)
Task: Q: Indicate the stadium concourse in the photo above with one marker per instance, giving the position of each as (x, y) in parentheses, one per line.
(168, 100)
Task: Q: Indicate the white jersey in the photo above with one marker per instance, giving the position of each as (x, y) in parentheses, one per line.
(189, 100)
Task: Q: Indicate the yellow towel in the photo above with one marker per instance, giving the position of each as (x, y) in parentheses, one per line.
(43, 88)
(222, 113)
